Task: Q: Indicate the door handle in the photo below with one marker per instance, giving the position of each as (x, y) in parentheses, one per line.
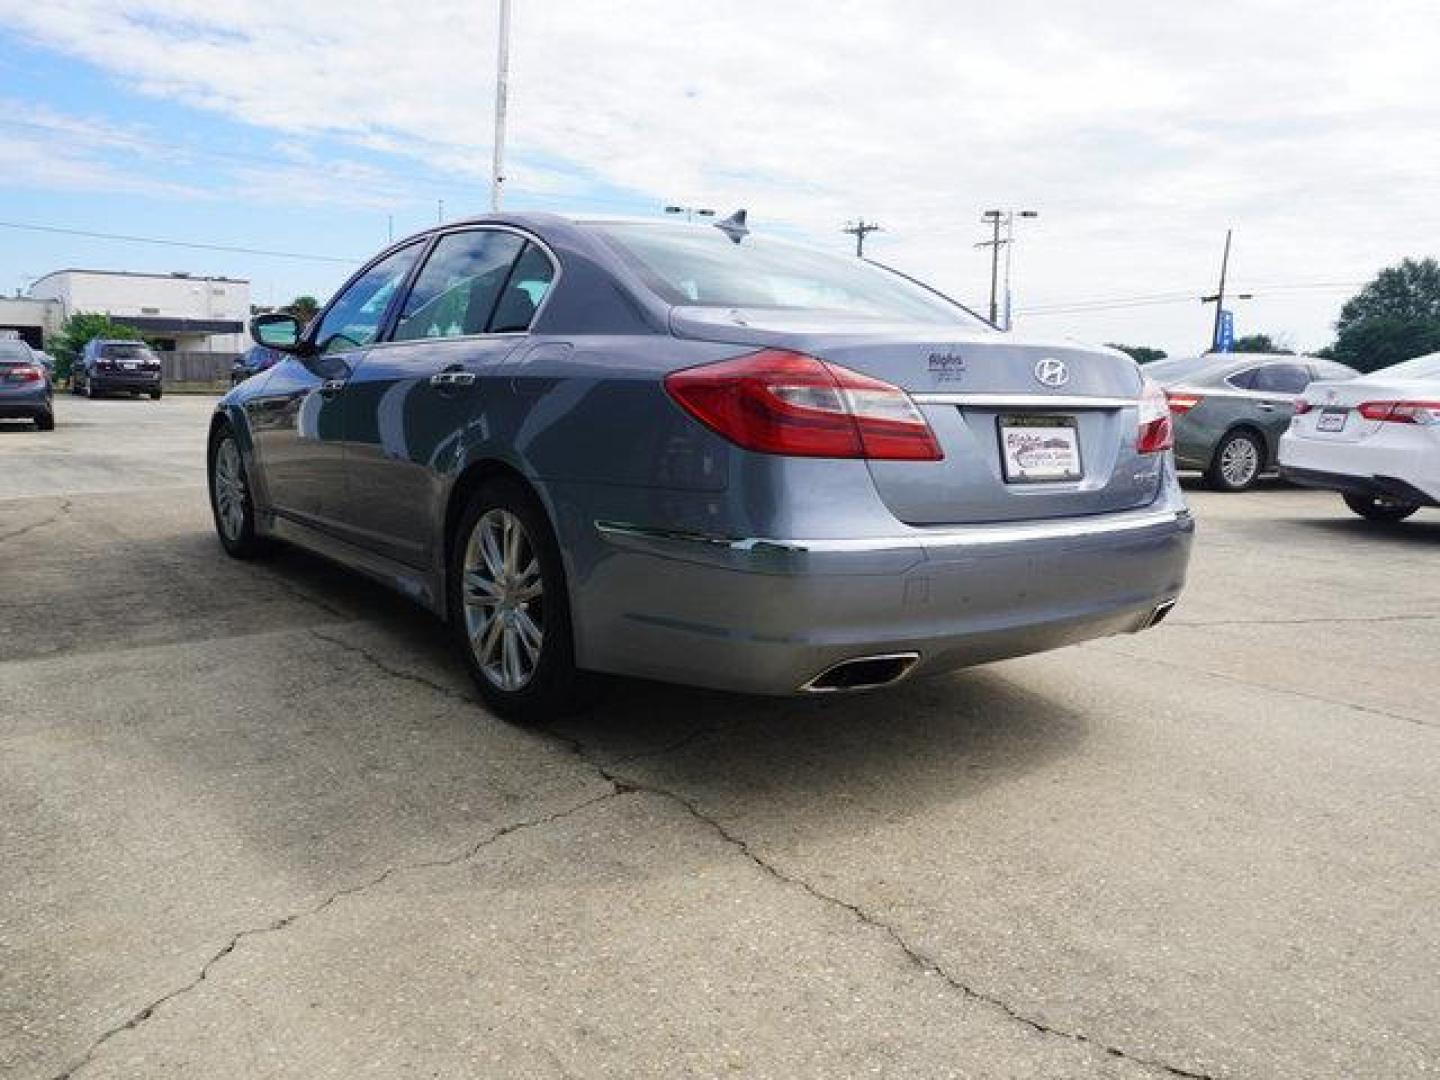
(447, 380)
(331, 387)
(1266, 406)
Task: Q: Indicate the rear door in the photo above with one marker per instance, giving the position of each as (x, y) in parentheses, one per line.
(297, 418)
(408, 405)
(1273, 392)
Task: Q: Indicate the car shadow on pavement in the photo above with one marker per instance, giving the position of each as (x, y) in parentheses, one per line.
(1416, 530)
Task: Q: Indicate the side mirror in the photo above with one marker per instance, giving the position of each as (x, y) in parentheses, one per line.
(277, 330)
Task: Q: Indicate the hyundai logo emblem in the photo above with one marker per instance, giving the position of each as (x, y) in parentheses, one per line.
(1051, 372)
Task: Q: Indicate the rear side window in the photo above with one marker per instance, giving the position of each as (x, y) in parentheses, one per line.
(459, 286)
(529, 282)
(1282, 378)
(1243, 380)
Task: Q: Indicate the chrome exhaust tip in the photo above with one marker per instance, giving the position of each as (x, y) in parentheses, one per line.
(1157, 616)
(862, 673)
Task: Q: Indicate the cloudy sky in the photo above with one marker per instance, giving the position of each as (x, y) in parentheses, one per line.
(1139, 131)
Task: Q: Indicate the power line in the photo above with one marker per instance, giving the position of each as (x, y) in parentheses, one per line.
(165, 242)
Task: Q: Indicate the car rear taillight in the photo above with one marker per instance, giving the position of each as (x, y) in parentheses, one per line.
(25, 373)
(1157, 433)
(1302, 406)
(1181, 403)
(1401, 412)
(781, 402)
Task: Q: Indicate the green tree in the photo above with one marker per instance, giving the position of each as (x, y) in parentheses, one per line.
(1141, 354)
(78, 331)
(1409, 290)
(1261, 343)
(1382, 340)
(1394, 317)
(303, 308)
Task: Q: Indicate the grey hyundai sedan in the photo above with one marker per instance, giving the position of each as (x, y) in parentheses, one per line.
(694, 454)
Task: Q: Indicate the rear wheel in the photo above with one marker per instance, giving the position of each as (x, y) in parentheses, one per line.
(509, 608)
(230, 498)
(1376, 508)
(154, 395)
(1237, 462)
(45, 422)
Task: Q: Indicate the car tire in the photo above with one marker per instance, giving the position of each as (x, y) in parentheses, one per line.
(154, 395)
(1238, 462)
(509, 607)
(91, 391)
(1374, 508)
(45, 422)
(231, 501)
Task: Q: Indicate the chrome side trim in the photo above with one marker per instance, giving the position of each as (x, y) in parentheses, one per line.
(1026, 401)
(965, 536)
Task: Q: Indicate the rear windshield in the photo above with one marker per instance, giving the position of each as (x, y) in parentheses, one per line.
(127, 351)
(701, 266)
(1422, 367)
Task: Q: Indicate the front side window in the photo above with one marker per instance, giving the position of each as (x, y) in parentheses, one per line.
(1282, 379)
(456, 292)
(703, 267)
(353, 319)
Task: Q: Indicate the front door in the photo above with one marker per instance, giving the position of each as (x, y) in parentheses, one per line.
(298, 417)
(409, 404)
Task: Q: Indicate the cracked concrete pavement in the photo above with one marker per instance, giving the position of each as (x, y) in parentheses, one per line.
(253, 823)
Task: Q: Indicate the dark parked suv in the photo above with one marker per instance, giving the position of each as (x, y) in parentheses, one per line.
(128, 367)
(24, 386)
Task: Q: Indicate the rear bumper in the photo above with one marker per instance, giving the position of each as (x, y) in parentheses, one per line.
(1373, 466)
(1380, 487)
(125, 380)
(26, 407)
(767, 616)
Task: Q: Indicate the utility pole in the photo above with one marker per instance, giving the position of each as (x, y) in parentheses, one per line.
(1218, 297)
(993, 218)
(502, 95)
(439, 211)
(860, 228)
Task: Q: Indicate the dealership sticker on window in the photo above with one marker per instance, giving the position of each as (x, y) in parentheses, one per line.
(1034, 449)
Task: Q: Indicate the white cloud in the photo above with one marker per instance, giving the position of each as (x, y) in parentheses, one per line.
(1139, 130)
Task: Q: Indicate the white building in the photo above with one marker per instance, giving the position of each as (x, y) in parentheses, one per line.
(178, 312)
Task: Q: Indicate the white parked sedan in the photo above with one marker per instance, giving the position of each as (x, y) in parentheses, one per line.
(1375, 439)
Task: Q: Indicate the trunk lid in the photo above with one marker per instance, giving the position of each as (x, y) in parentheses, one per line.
(982, 392)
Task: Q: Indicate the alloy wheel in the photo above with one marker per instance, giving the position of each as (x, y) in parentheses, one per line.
(230, 493)
(1239, 462)
(504, 598)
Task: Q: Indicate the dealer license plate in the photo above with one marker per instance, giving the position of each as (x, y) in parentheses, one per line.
(1332, 420)
(1035, 449)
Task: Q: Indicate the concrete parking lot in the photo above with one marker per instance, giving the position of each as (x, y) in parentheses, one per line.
(253, 823)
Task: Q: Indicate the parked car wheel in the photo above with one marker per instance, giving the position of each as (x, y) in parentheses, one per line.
(91, 390)
(45, 422)
(1374, 508)
(230, 499)
(1237, 462)
(509, 608)
(154, 395)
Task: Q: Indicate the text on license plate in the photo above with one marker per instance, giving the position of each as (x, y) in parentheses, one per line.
(1039, 448)
(1332, 420)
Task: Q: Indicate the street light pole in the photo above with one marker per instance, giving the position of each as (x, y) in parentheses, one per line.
(502, 95)
(1009, 249)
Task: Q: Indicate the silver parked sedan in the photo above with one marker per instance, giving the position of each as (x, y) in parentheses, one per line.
(1230, 409)
(688, 453)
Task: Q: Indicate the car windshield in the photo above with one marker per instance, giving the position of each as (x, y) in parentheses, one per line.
(703, 267)
(14, 352)
(127, 351)
(1422, 367)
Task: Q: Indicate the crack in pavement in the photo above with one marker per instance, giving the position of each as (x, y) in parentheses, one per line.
(915, 955)
(495, 835)
(1104, 646)
(60, 511)
(621, 785)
